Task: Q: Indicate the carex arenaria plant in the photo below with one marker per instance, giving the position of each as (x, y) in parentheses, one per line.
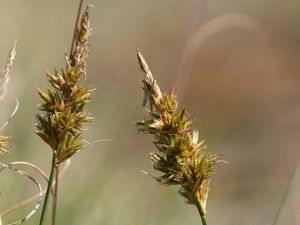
(63, 114)
(181, 158)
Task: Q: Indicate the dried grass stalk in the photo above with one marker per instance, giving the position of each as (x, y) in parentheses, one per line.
(32, 179)
(5, 75)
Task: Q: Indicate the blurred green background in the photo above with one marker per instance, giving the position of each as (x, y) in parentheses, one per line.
(235, 67)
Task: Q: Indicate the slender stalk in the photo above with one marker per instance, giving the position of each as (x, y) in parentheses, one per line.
(76, 25)
(49, 187)
(55, 195)
(55, 192)
(294, 178)
(201, 211)
(29, 200)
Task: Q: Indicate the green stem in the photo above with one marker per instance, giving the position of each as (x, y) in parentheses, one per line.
(292, 183)
(55, 196)
(49, 187)
(201, 211)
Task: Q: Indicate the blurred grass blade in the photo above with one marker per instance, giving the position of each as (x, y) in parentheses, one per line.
(37, 205)
(11, 115)
(36, 196)
(287, 198)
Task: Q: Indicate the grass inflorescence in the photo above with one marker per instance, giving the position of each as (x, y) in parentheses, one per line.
(60, 122)
(181, 158)
(63, 111)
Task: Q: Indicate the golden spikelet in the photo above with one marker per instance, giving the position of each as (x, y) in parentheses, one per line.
(3, 144)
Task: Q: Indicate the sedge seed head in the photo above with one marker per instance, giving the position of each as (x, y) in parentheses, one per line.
(63, 109)
(181, 158)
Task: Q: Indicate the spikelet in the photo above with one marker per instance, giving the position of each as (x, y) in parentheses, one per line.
(63, 111)
(181, 158)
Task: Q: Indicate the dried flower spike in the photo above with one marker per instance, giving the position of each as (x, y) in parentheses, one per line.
(60, 124)
(181, 159)
(4, 76)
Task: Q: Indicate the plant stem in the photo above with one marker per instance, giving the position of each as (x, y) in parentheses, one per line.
(201, 211)
(76, 25)
(49, 187)
(292, 183)
(55, 195)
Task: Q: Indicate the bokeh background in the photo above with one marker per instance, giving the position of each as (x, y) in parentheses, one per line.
(235, 66)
